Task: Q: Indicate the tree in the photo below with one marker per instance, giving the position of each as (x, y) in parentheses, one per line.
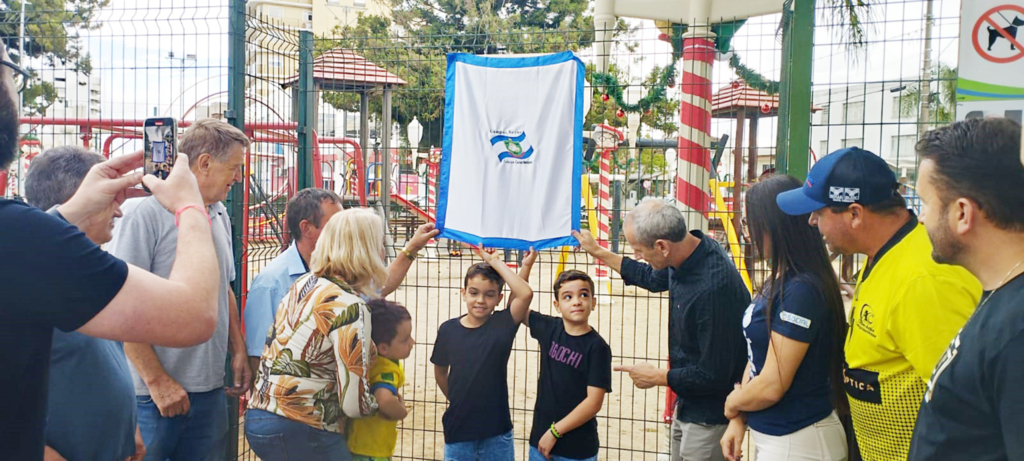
(51, 33)
(942, 103)
(413, 46)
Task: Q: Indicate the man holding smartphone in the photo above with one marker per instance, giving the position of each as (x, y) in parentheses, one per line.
(180, 395)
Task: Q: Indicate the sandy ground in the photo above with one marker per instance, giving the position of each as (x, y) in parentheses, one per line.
(632, 321)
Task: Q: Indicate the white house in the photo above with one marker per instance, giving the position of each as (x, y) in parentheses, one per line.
(866, 115)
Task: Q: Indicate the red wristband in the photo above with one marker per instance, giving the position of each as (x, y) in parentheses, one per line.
(201, 210)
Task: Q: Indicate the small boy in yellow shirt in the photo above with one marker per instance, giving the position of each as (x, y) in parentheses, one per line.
(374, 438)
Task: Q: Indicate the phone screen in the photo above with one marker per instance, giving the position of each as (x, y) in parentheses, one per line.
(160, 137)
(159, 152)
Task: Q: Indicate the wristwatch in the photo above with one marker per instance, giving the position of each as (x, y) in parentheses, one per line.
(409, 254)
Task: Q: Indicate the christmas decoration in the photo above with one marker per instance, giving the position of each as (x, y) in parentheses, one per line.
(655, 94)
(766, 108)
(735, 84)
(620, 113)
(752, 78)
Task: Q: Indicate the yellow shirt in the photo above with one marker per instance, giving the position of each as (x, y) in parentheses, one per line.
(375, 436)
(905, 311)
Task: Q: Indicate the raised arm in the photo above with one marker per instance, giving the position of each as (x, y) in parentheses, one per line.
(521, 292)
(591, 246)
(524, 273)
(179, 311)
(401, 264)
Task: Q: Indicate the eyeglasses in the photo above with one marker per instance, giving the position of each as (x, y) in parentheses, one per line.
(19, 75)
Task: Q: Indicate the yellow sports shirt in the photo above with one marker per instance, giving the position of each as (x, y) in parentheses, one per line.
(375, 436)
(905, 311)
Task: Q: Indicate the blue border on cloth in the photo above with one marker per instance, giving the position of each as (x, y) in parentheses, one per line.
(446, 148)
(510, 244)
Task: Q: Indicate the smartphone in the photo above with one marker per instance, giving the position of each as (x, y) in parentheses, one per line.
(161, 146)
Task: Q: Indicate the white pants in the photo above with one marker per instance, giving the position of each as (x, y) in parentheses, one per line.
(824, 440)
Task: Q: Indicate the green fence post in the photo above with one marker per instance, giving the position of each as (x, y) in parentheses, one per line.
(795, 111)
(307, 111)
(235, 115)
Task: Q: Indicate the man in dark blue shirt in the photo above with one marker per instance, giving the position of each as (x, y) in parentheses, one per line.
(707, 351)
(91, 408)
(971, 182)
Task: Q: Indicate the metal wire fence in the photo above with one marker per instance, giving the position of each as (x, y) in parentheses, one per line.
(897, 84)
(97, 73)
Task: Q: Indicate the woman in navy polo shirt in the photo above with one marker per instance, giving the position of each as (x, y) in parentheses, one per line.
(794, 329)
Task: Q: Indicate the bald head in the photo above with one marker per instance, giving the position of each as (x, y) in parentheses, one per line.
(654, 220)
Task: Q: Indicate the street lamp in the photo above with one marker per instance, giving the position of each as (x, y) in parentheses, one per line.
(186, 58)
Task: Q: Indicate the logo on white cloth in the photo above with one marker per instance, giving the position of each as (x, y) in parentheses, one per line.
(511, 147)
(844, 194)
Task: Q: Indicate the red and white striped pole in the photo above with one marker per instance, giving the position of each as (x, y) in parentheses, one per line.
(693, 170)
(609, 139)
(604, 209)
(433, 167)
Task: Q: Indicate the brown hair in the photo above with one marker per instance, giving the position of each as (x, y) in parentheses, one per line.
(211, 136)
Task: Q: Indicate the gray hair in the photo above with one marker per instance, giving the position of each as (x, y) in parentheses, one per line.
(654, 220)
(211, 136)
(305, 206)
(54, 176)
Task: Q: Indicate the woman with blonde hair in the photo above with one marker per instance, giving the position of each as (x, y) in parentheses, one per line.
(313, 374)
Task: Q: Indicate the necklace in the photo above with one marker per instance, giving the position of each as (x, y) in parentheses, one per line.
(1003, 282)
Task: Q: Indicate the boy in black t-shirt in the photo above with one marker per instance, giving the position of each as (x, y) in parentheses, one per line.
(575, 372)
(471, 361)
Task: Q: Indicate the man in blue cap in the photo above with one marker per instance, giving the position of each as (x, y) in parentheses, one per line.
(906, 307)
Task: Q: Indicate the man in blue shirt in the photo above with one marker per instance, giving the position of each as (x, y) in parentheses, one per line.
(306, 215)
(102, 424)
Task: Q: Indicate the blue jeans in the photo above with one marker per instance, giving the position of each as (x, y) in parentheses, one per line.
(536, 456)
(497, 448)
(276, 438)
(196, 435)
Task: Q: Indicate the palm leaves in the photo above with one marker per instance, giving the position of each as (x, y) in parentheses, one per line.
(847, 18)
(942, 103)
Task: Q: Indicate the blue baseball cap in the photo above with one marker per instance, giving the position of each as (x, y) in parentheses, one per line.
(846, 176)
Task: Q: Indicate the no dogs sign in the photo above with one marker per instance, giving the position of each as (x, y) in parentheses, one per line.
(991, 59)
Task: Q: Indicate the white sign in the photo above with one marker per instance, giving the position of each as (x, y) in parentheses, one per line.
(512, 156)
(991, 59)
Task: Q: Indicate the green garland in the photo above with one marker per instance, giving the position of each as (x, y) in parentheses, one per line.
(611, 86)
(752, 78)
(656, 94)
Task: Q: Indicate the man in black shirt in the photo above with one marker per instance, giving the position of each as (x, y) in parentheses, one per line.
(52, 276)
(707, 350)
(971, 182)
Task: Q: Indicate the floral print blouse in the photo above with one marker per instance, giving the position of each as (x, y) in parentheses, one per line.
(314, 365)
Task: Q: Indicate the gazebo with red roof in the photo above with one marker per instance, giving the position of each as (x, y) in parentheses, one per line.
(741, 102)
(344, 71)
